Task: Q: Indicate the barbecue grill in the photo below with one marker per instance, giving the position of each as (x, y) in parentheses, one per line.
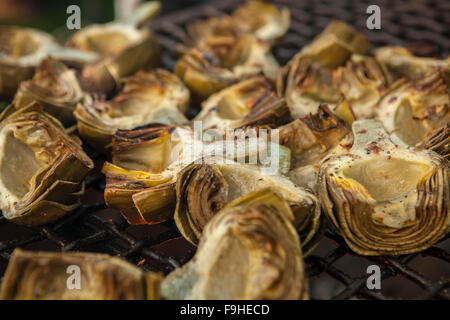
(334, 271)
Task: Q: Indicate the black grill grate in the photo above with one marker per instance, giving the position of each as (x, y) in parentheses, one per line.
(334, 271)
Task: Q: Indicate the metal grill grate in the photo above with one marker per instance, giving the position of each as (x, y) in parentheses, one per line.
(334, 271)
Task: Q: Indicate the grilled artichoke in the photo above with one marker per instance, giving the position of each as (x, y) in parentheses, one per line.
(362, 82)
(46, 276)
(330, 68)
(225, 60)
(204, 189)
(403, 63)
(55, 87)
(415, 108)
(262, 19)
(124, 49)
(147, 97)
(41, 168)
(141, 180)
(249, 250)
(23, 49)
(383, 198)
(257, 18)
(248, 103)
(335, 45)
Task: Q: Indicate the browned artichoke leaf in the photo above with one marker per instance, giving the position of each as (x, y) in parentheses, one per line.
(41, 167)
(156, 96)
(203, 189)
(384, 198)
(249, 250)
(46, 276)
(438, 141)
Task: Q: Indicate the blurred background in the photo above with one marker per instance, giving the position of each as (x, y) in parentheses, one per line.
(50, 15)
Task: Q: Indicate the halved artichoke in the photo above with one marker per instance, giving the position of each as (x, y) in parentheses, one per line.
(55, 87)
(335, 45)
(251, 102)
(384, 198)
(204, 189)
(23, 49)
(46, 276)
(363, 81)
(156, 96)
(261, 19)
(223, 61)
(42, 168)
(403, 63)
(124, 49)
(415, 108)
(249, 250)
(141, 180)
(313, 137)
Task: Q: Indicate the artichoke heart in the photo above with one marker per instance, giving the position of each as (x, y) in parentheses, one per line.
(403, 63)
(251, 102)
(223, 61)
(384, 198)
(51, 276)
(249, 250)
(23, 49)
(55, 87)
(203, 189)
(156, 96)
(42, 168)
(123, 47)
(415, 108)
